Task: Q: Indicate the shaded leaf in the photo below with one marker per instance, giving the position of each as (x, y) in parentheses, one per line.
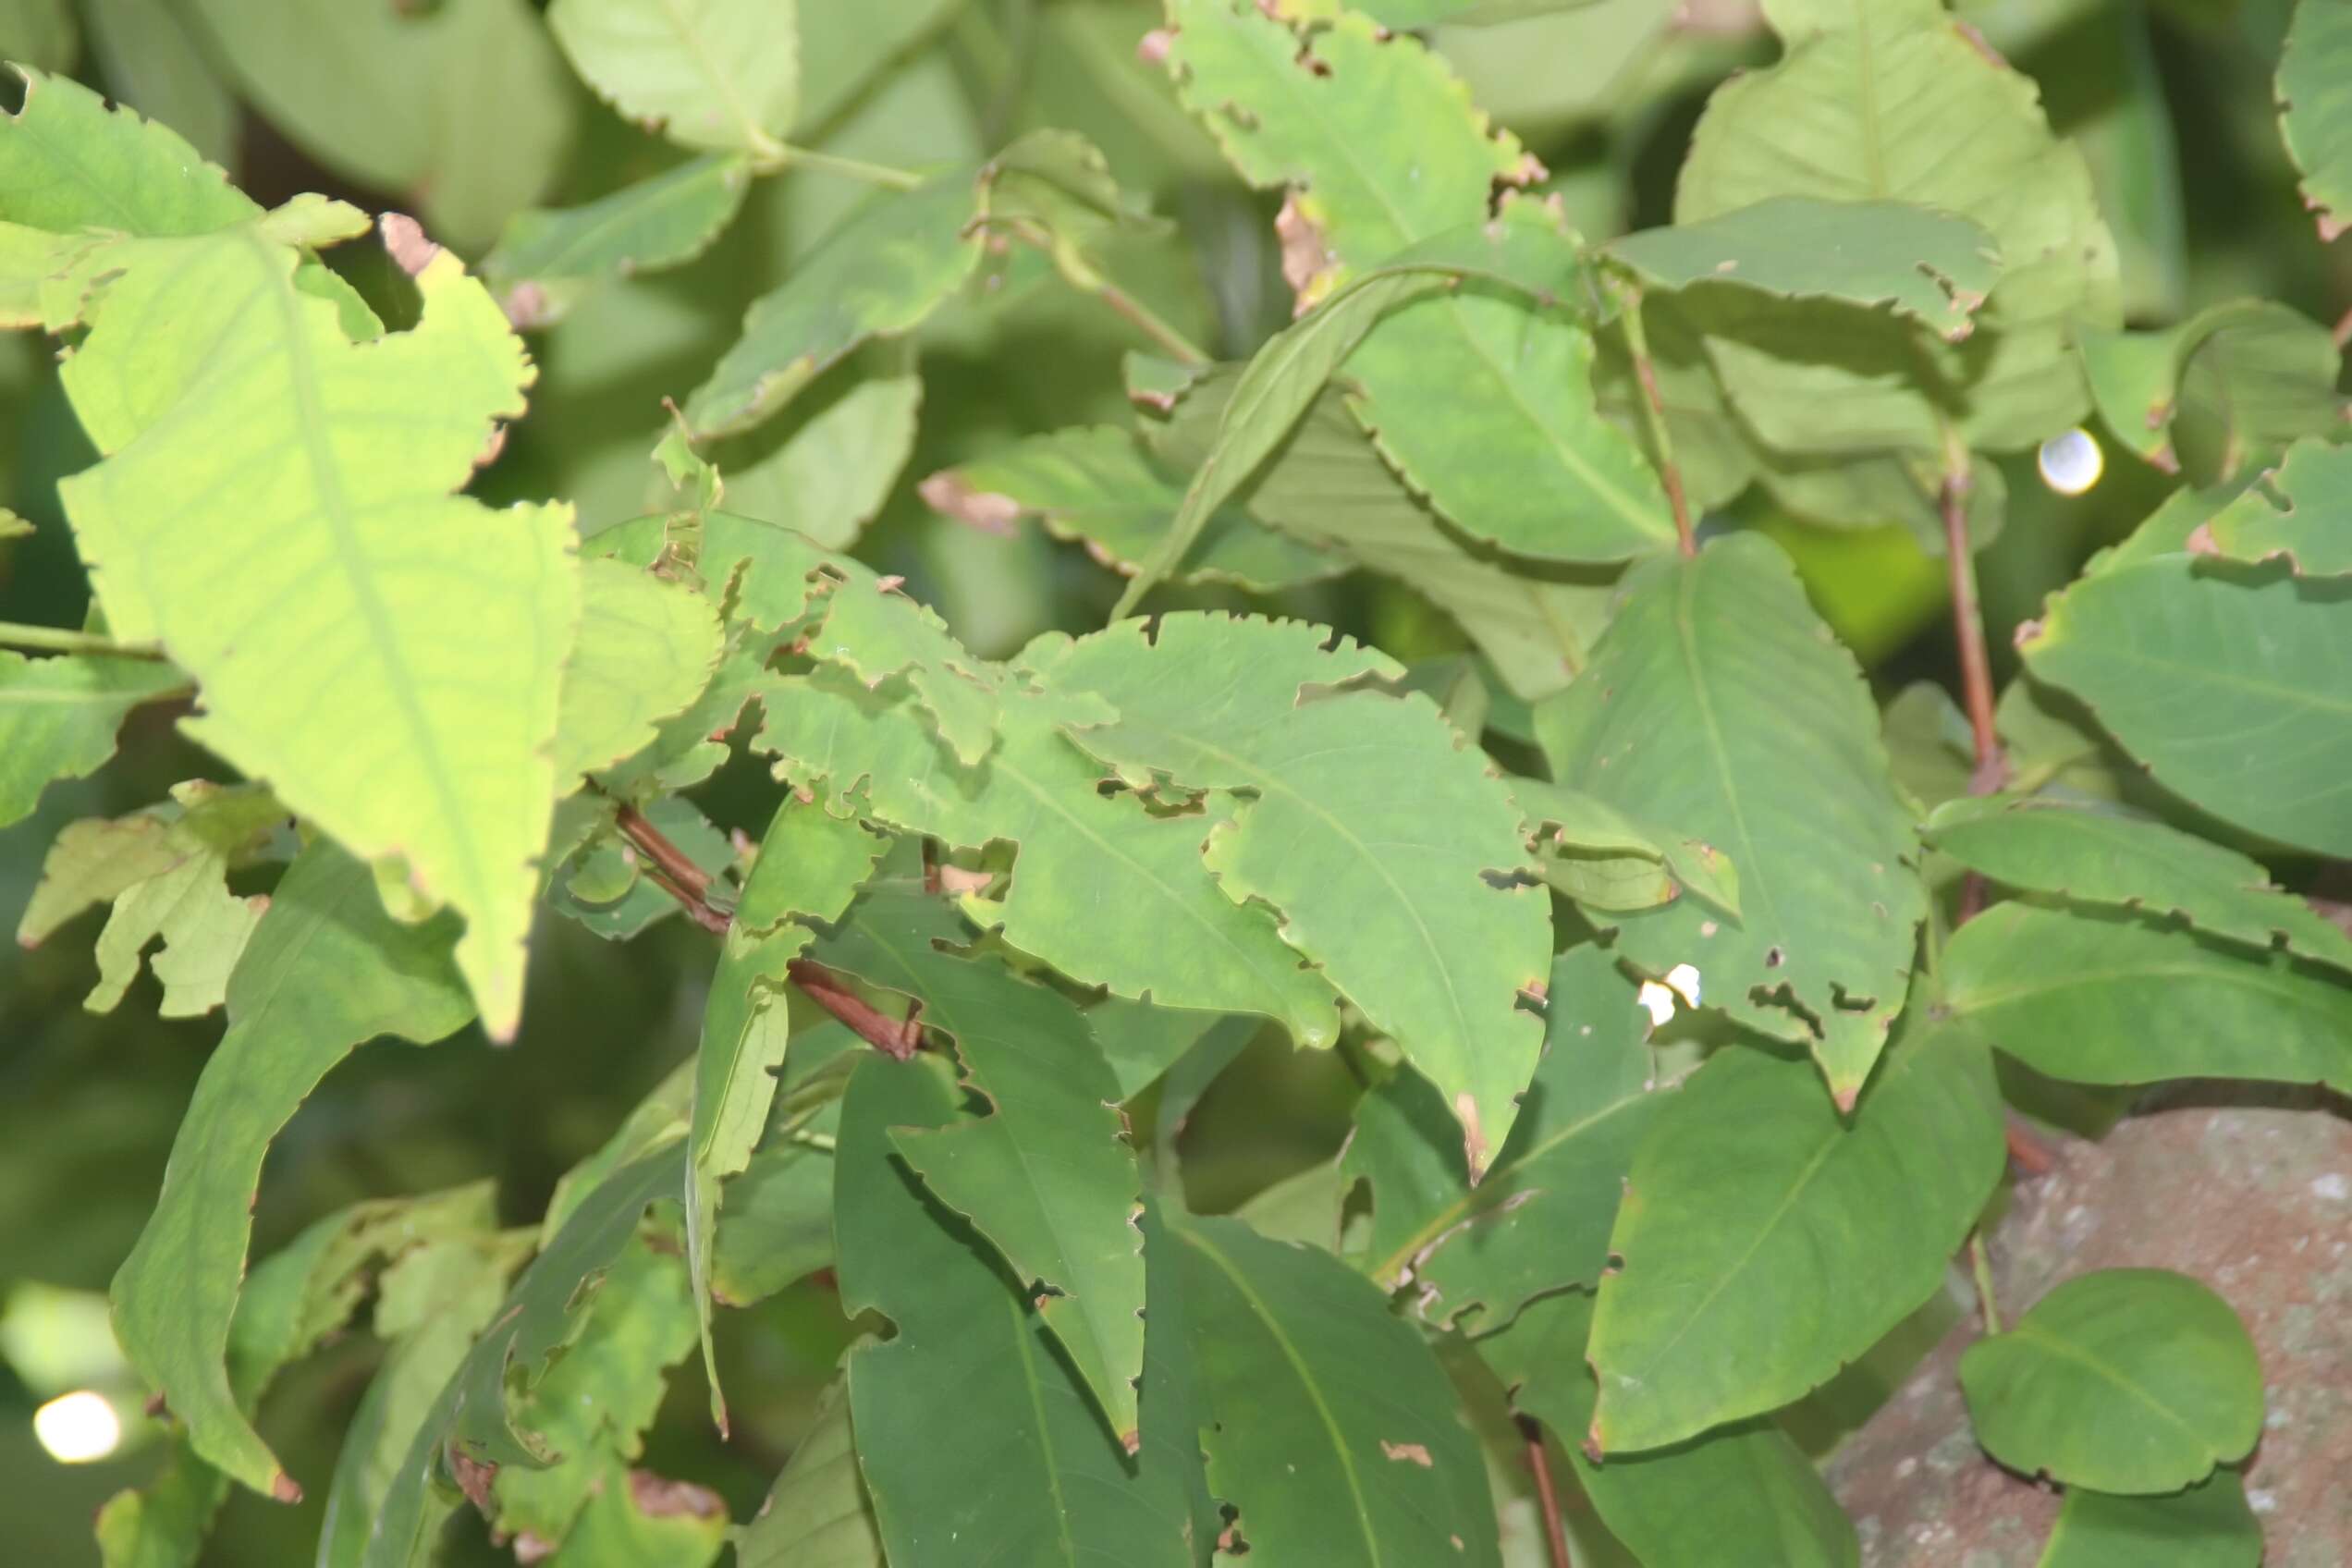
(844, 48)
(2301, 513)
(1141, 1042)
(1398, 899)
(546, 260)
(1768, 1241)
(2209, 1525)
(2315, 109)
(58, 717)
(1580, 822)
(2100, 857)
(775, 1218)
(2234, 691)
(2117, 1001)
(1328, 1424)
(2124, 1381)
(1682, 718)
(155, 62)
(2234, 383)
(830, 463)
(325, 971)
(816, 1515)
(710, 73)
(1929, 265)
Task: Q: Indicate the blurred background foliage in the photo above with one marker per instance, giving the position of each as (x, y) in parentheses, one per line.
(461, 110)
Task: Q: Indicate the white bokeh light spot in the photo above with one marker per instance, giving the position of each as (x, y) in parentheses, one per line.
(77, 1428)
(2071, 462)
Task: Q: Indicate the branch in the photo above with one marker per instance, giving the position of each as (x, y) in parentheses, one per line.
(1967, 622)
(1555, 1532)
(56, 640)
(669, 869)
(1629, 297)
(1087, 280)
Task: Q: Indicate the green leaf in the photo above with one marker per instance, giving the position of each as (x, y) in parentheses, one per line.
(2232, 384)
(1859, 108)
(1097, 485)
(1580, 822)
(1768, 1241)
(155, 62)
(325, 971)
(43, 33)
(1915, 262)
(2129, 1380)
(2300, 512)
(2099, 857)
(640, 1517)
(1484, 405)
(165, 870)
(464, 103)
(1016, 1466)
(2315, 110)
(830, 463)
(1389, 893)
(405, 696)
(2236, 693)
(718, 74)
(1330, 1427)
(58, 717)
(775, 1219)
(1742, 1493)
(545, 261)
(844, 48)
(2209, 1525)
(645, 650)
(75, 164)
(1141, 1042)
(1682, 718)
(2115, 1000)
(811, 865)
(1327, 487)
(817, 1514)
(1046, 1176)
(879, 275)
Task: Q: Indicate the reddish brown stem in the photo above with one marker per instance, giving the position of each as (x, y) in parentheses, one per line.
(1555, 1530)
(672, 862)
(1967, 619)
(891, 1037)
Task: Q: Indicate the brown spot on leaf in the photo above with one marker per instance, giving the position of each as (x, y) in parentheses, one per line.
(950, 495)
(405, 242)
(473, 1477)
(2201, 541)
(658, 1496)
(1412, 1453)
(1307, 261)
(1152, 48)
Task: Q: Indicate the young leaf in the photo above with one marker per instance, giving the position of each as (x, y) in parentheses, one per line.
(816, 1515)
(58, 717)
(1929, 265)
(2300, 512)
(1485, 405)
(2209, 1525)
(1741, 1493)
(1396, 897)
(1329, 1429)
(2232, 690)
(2128, 1380)
(1682, 718)
(545, 261)
(1046, 1175)
(719, 74)
(1859, 108)
(2117, 1001)
(2099, 857)
(2315, 109)
(407, 702)
(1017, 1467)
(325, 971)
(1767, 1239)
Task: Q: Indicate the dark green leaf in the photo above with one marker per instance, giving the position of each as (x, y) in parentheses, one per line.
(2209, 1525)
(58, 718)
(2232, 384)
(817, 1514)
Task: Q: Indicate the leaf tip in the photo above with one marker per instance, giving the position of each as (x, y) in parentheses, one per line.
(283, 1487)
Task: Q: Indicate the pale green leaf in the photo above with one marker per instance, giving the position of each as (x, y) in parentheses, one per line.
(873, 631)
(1767, 1239)
(2115, 1000)
(156, 62)
(827, 467)
(58, 717)
(1332, 1429)
(885, 269)
(1485, 405)
(1584, 823)
(2300, 512)
(817, 1514)
(710, 73)
(546, 260)
(1742, 1493)
(638, 1517)
(1860, 108)
(326, 970)
(2100, 857)
(2236, 693)
(2130, 1381)
(645, 650)
(1913, 260)
(394, 675)
(1394, 895)
(463, 103)
(1098, 485)
(2209, 1525)
(1016, 1465)
(1046, 1175)
(2232, 384)
(74, 165)
(1683, 719)
(2315, 109)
